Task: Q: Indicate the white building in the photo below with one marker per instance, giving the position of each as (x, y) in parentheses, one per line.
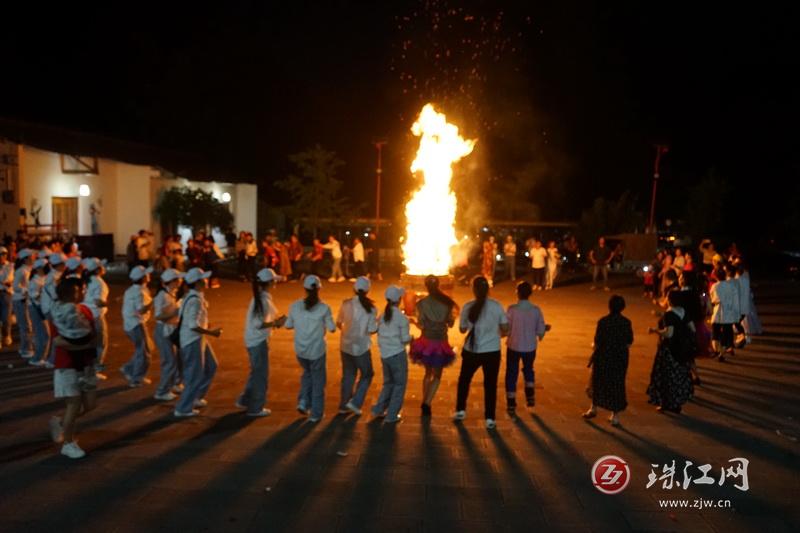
(66, 187)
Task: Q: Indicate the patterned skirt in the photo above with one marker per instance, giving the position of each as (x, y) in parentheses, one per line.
(670, 381)
(433, 353)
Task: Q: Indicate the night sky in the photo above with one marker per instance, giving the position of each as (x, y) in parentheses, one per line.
(571, 95)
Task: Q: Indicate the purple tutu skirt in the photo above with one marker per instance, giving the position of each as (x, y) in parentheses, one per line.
(433, 353)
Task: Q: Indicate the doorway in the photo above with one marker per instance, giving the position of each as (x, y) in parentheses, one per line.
(65, 214)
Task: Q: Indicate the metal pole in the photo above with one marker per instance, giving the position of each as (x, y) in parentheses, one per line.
(660, 148)
(378, 172)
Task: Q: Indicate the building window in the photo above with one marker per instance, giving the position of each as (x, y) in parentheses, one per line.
(79, 164)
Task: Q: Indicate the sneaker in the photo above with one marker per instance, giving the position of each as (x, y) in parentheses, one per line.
(177, 389)
(26, 355)
(394, 420)
(381, 414)
(332, 280)
(460, 415)
(72, 450)
(56, 431)
(614, 420)
(352, 407)
(193, 412)
(48, 365)
(262, 413)
(201, 402)
(589, 414)
(36, 363)
(134, 384)
(240, 405)
(302, 410)
(166, 397)
(490, 423)
(101, 376)
(314, 419)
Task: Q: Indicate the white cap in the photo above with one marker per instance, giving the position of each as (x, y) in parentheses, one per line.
(3, 250)
(139, 272)
(39, 263)
(312, 282)
(57, 259)
(362, 284)
(170, 274)
(93, 263)
(25, 253)
(394, 293)
(267, 274)
(73, 263)
(195, 275)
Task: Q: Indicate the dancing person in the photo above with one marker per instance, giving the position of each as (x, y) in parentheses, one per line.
(609, 362)
(393, 337)
(41, 330)
(49, 296)
(166, 308)
(553, 262)
(358, 257)
(261, 318)
(510, 252)
(538, 255)
(724, 296)
(6, 295)
(670, 379)
(96, 299)
(19, 298)
(484, 321)
(526, 328)
(311, 318)
(136, 311)
(295, 255)
(743, 290)
(751, 322)
(336, 254)
(197, 357)
(435, 314)
(357, 320)
(316, 255)
(600, 257)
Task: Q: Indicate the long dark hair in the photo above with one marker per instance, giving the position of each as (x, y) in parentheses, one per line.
(366, 302)
(387, 312)
(258, 305)
(432, 285)
(312, 298)
(480, 288)
(19, 262)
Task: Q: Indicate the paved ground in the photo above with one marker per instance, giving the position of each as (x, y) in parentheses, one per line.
(225, 472)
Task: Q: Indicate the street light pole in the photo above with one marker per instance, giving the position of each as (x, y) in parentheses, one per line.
(378, 172)
(660, 150)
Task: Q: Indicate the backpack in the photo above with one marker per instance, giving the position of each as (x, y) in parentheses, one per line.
(175, 336)
(684, 344)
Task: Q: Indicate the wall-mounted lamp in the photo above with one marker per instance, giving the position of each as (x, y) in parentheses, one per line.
(226, 197)
(84, 190)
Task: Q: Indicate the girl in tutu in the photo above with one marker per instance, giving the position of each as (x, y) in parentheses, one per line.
(435, 314)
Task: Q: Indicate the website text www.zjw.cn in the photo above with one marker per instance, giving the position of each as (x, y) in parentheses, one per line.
(698, 503)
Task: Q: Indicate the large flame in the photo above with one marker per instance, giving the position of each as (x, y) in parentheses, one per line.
(431, 212)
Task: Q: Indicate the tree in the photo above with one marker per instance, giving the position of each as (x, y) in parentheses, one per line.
(194, 208)
(314, 189)
(706, 207)
(609, 217)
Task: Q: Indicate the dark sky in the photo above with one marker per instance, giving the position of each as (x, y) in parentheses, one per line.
(571, 95)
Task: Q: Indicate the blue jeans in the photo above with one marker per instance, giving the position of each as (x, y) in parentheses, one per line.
(254, 395)
(512, 372)
(5, 313)
(351, 364)
(395, 379)
(139, 363)
(24, 326)
(169, 361)
(199, 367)
(312, 385)
(41, 336)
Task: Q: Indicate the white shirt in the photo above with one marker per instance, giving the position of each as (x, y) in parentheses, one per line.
(393, 335)
(357, 326)
(70, 323)
(20, 287)
(35, 286)
(165, 303)
(725, 297)
(7, 276)
(335, 248)
(194, 314)
(553, 256)
(358, 252)
(96, 291)
(136, 297)
(310, 326)
(510, 248)
(538, 257)
(254, 334)
(486, 331)
(49, 291)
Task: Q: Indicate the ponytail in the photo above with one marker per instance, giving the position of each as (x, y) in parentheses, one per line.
(432, 285)
(480, 288)
(365, 301)
(387, 312)
(258, 305)
(312, 298)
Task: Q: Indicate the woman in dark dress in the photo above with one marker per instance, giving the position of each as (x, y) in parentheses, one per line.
(612, 339)
(670, 380)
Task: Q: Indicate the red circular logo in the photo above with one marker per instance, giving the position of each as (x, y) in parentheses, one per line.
(611, 474)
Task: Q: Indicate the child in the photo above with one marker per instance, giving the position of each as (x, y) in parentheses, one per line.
(261, 317)
(41, 333)
(96, 299)
(393, 336)
(526, 328)
(22, 276)
(166, 307)
(136, 306)
(310, 318)
(358, 320)
(73, 378)
(649, 278)
(199, 361)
